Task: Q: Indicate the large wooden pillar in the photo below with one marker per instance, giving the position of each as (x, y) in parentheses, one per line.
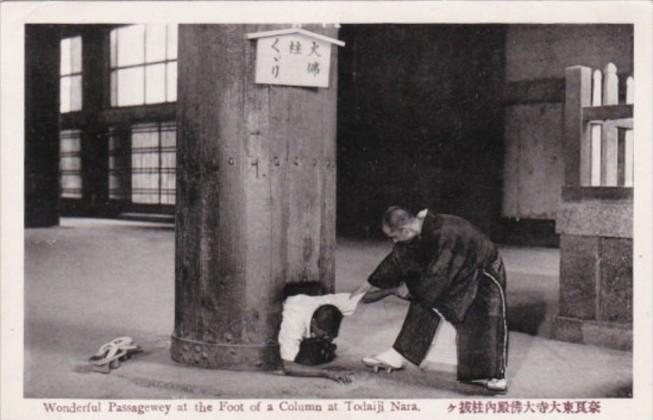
(41, 125)
(255, 197)
(95, 149)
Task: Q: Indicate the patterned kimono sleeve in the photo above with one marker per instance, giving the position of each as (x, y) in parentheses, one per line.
(388, 273)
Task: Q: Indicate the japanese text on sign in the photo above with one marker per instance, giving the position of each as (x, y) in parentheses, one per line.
(293, 59)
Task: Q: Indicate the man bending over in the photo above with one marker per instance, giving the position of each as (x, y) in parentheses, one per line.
(453, 271)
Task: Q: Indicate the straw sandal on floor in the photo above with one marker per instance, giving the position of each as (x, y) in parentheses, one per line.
(112, 353)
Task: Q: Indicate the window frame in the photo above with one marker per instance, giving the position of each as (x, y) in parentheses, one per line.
(97, 116)
(73, 74)
(113, 94)
(77, 193)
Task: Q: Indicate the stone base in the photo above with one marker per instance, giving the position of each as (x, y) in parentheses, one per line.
(606, 334)
(225, 356)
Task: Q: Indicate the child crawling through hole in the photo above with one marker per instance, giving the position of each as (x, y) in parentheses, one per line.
(310, 323)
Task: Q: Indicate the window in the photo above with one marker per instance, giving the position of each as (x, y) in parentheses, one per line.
(70, 70)
(70, 164)
(153, 163)
(143, 65)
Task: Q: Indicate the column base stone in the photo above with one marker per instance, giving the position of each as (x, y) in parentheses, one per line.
(225, 356)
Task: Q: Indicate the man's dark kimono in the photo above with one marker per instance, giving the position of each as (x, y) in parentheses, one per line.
(455, 269)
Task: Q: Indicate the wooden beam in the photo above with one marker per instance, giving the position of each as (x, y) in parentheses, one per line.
(607, 112)
(543, 90)
(534, 91)
(597, 193)
(133, 114)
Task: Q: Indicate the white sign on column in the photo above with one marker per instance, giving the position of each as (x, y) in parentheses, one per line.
(293, 57)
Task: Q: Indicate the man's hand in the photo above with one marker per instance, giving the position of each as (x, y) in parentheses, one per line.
(402, 291)
(362, 289)
(376, 295)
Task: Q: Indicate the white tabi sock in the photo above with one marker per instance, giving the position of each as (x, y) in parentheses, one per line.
(391, 357)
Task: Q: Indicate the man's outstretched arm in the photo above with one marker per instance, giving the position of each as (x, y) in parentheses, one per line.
(376, 294)
(361, 290)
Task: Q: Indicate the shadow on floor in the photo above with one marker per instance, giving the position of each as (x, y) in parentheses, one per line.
(529, 318)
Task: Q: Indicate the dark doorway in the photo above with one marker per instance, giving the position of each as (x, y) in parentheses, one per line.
(420, 122)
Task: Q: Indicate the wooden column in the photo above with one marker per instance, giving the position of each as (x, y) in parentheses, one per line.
(255, 198)
(95, 149)
(41, 125)
(576, 148)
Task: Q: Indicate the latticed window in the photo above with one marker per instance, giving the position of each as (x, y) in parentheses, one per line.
(70, 71)
(153, 163)
(70, 164)
(143, 65)
(70, 100)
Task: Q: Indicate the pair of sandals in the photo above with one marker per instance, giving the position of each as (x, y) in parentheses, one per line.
(111, 354)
